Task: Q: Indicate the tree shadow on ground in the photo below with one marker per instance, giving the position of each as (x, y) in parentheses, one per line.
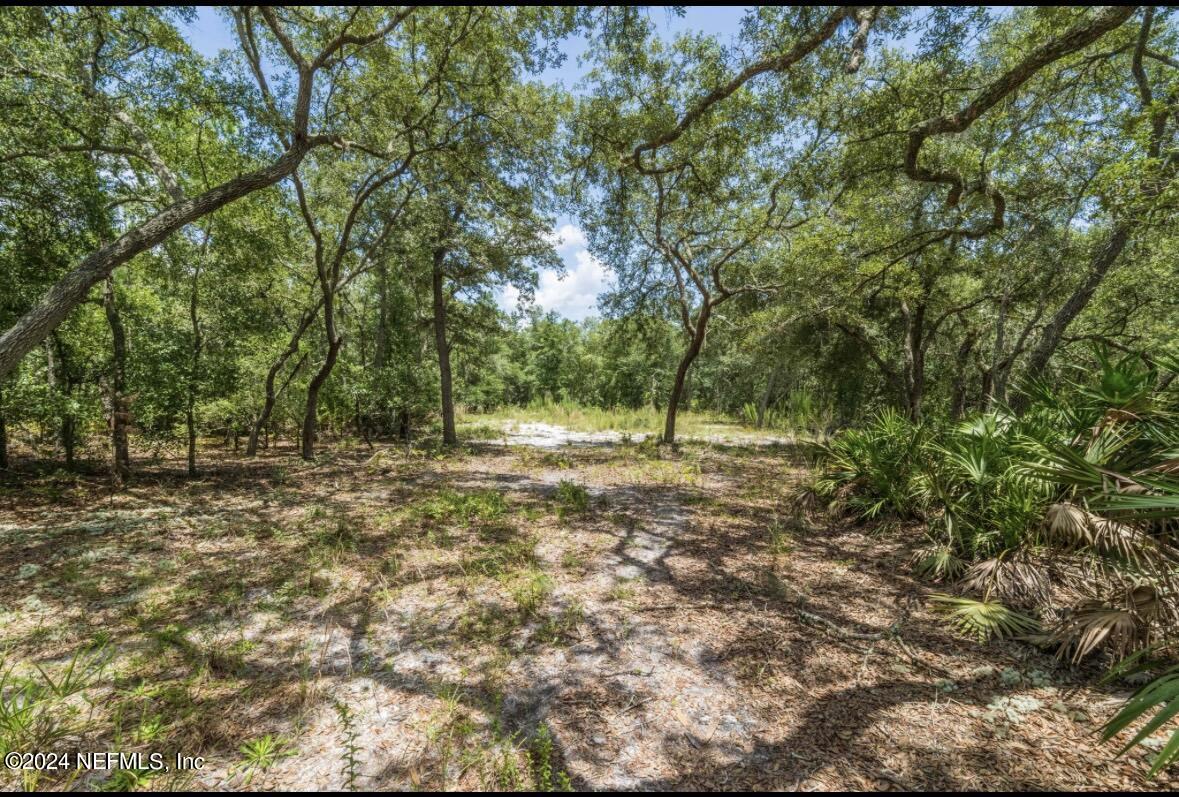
(246, 541)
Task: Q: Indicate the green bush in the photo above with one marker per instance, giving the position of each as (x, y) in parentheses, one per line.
(1068, 511)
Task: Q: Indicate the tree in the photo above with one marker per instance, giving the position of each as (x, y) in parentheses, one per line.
(38, 43)
(703, 224)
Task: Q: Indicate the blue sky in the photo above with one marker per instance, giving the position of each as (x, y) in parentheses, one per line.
(573, 295)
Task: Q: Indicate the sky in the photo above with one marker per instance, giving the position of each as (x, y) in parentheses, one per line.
(573, 295)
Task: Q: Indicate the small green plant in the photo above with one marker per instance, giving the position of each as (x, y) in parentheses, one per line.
(259, 755)
(348, 747)
(122, 780)
(450, 507)
(938, 562)
(45, 711)
(501, 558)
(622, 591)
(1161, 696)
(984, 619)
(571, 560)
(529, 589)
(545, 776)
(572, 499)
(336, 539)
(781, 538)
(561, 627)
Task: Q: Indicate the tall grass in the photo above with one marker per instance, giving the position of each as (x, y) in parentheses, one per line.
(581, 418)
(802, 416)
(801, 413)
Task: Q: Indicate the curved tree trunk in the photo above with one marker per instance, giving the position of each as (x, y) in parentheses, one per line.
(1099, 266)
(681, 374)
(272, 374)
(328, 287)
(311, 416)
(73, 288)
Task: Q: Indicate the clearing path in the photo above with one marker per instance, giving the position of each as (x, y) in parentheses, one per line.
(599, 615)
(547, 435)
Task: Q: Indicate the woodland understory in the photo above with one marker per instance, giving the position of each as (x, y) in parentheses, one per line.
(581, 397)
(593, 617)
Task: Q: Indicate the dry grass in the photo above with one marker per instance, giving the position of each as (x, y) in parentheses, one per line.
(593, 617)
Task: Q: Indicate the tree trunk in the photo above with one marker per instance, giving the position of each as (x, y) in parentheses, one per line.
(681, 374)
(1054, 331)
(119, 403)
(311, 415)
(449, 437)
(995, 387)
(381, 344)
(914, 354)
(68, 382)
(961, 378)
(73, 288)
(272, 374)
(50, 381)
(3, 435)
(362, 425)
(194, 367)
(766, 395)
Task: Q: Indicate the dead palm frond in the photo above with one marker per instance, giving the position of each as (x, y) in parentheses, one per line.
(1077, 528)
(1122, 624)
(1013, 576)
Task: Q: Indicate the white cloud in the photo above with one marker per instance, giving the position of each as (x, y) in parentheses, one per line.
(567, 238)
(575, 295)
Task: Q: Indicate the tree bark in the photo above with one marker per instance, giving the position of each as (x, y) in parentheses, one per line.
(1054, 331)
(117, 387)
(311, 415)
(914, 354)
(50, 378)
(961, 377)
(271, 393)
(677, 389)
(381, 344)
(3, 434)
(995, 387)
(449, 436)
(73, 288)
(194, 366)
(68, 382)
(335, 340)
(766, 395)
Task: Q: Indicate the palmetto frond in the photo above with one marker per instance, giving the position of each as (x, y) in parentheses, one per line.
(1076, 528)
(1097, 623)
(1012, 577)
(938, 562)
(1161, 696)
(984, 619)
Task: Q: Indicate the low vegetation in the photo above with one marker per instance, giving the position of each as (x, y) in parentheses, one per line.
(1056, 525)
(783, 398)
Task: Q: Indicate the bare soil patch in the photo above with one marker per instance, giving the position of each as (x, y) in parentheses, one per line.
(605, 616)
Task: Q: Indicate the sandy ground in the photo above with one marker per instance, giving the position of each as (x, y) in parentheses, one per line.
(465, 620)
(546, 435)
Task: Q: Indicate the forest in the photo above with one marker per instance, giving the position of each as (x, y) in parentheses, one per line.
(542, 398)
